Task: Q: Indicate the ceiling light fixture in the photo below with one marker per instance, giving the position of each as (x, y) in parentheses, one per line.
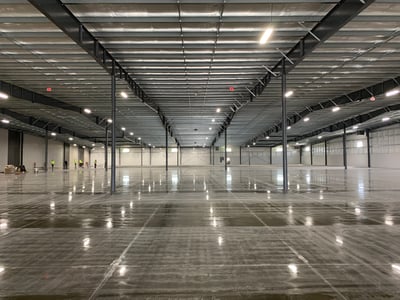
(109, 120)
(53, 134)
(254, 143)
(267, 137)
(355, 127)
(289, 127)
(3, 96)
(71, 139)
(5, 121)
(139, 138)
(130, 133)
(288, 94)
(306, 119)
(218, 110)
(124, 95)
(87, 111)
(385, 119)
(336, 108)
(210, 128)
(319, 137)
(213, 120)
(123, 128)
(392, 93)
(266, 35)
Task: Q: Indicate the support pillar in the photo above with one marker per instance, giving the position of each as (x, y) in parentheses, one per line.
(301, 154)
(226, 144)
(326, 152)
(311, 156)
(344, 149)
(150, 156)
(113, 131)
(284, 129)
(240, 155)
(213, 151)
(106, 150)
(248, 155)
(270, 155)
(141, 156)
(21, 148)
(368, 148)
(46, 150)
(166, 149)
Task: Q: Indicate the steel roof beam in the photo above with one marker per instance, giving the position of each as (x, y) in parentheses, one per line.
(351, 122)
(24, 94)
(340, 15)
(33, 97)
(63, 18)
(364, 93)
(40, 124)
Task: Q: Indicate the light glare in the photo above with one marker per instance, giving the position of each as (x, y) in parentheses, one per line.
(266, 35)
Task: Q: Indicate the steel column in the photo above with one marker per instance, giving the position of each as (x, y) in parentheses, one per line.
(150, 156)
(311, 156)
(213, 150)
(64, 156)
(284, 128)
(248, 155)
(369, 148)
(344, 149)
(46, 150)
(326, 152)
(141, 156)
(226, 156)
(113, 131)
(270, 155)
(240, 155)
(166, 149)
(21, 148)
(106, 150)
(301, 155)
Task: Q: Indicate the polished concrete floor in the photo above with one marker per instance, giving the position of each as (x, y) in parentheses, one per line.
(201, 233)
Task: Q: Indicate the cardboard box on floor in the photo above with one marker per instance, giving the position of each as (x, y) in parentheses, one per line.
(9, 169)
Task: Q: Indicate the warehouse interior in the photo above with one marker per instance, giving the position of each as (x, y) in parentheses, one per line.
(182, 149)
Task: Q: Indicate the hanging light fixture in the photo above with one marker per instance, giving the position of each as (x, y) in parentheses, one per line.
(268, 31)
